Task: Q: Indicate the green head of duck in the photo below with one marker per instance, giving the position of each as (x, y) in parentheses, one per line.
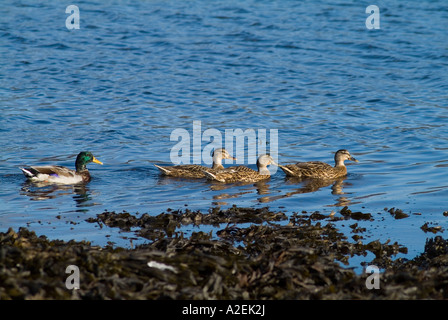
(83, 159)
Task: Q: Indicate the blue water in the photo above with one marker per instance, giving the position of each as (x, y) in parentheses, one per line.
(137, 70)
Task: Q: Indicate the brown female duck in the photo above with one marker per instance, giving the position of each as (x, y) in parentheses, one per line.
(196, 171)
(321, 170)
(242, 173)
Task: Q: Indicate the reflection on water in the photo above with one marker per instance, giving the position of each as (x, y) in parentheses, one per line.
(235, 65)
(260, 188)
(264, 189)
(38, 191)
(312, 185)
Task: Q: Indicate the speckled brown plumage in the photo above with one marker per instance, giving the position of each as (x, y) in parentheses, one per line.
(195, 171)
(321, 170)
(244, 174)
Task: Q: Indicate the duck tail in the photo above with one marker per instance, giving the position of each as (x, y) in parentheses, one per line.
(163, 170)
(29, 172)
(287, 171)
(211, 176)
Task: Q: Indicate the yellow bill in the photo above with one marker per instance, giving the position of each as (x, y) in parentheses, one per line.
(96, 160)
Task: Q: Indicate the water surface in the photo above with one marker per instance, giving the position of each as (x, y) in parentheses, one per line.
(137, 70)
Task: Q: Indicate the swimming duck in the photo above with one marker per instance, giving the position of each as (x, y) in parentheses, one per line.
(321, 170)
(62, 175)
(195, 170)
(242, 173)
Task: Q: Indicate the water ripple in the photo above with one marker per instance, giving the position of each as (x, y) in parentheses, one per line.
(136, 71)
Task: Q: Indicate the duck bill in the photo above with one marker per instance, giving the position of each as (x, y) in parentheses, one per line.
(353, 159)
(96, 160)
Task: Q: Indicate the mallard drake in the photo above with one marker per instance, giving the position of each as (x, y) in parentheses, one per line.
(194, 170)
(62, 175)
(321, 170)
(242, 173)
